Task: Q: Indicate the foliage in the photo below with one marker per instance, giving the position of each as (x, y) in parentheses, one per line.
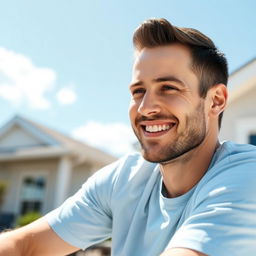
(3, 187)
(27, 218)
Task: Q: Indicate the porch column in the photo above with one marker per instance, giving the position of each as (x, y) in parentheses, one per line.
(62, 182)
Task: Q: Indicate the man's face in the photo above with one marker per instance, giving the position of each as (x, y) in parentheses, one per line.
(166, 112)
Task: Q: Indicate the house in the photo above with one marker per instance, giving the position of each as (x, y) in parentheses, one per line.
(42, 167)
(239, 120)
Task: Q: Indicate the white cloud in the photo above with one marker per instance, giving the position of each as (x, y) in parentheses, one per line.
(115, 138)
(22, 82)
(66, 96)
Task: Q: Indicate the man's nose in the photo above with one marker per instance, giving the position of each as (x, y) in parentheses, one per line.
(149, 105)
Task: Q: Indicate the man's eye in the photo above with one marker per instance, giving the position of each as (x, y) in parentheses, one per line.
(168, 88)
(138, 91)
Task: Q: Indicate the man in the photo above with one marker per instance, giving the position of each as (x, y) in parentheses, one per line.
(189, 195)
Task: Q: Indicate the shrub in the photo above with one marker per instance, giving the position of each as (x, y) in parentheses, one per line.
(3, 187)
(28, 218)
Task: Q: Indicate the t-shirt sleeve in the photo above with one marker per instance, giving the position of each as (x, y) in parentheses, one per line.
(86, 218)
(223, 217)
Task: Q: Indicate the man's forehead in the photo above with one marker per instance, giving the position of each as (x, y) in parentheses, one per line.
(173, 51)
(155, 64)
(161, 60)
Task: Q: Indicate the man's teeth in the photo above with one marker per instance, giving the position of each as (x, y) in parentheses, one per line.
(157, 128)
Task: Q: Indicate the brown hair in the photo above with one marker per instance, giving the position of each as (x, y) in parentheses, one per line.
(208, 63)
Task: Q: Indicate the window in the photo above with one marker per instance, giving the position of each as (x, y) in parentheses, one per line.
(252, 139)
(32, 194)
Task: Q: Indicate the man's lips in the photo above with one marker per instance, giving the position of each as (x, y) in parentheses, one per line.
(156, 128)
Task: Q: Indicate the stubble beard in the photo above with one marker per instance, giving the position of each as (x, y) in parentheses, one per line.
(185, 141)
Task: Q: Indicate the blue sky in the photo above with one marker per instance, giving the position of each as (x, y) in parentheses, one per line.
(67, 64)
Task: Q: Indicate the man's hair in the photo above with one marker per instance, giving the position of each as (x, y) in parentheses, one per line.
(208, 63)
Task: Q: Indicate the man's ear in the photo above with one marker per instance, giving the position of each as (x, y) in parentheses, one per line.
(218, 99)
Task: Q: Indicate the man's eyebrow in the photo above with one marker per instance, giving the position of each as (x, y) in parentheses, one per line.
(159, 80)
(136, 84)
(169, 79)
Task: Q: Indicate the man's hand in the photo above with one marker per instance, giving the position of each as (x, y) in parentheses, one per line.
(36, 238)
(181, 252)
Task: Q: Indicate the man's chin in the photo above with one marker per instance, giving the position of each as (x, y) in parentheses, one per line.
(153, 158)
(162, 158)
(155, 154)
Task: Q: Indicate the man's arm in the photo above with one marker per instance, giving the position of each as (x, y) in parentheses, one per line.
(181, 252)
(37, 239)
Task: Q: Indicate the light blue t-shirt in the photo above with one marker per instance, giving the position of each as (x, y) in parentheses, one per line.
(126, 201)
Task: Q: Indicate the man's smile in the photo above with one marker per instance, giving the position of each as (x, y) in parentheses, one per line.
(156, 128)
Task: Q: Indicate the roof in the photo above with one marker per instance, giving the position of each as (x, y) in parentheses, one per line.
(243, 66)
(242, 80)
(53, 143)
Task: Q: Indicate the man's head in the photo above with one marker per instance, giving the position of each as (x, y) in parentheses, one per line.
(209, 64)
(178, 90)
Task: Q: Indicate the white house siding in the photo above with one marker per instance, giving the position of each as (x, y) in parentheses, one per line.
(239, 112)
(80, 174)
(14, 172)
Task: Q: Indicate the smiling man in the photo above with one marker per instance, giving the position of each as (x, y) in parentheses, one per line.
(188, 194)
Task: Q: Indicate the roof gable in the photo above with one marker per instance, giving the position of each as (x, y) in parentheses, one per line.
(17, 137)
(18, 133)
(24, 138)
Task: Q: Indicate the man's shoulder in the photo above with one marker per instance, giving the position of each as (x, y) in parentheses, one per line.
(230, 152)
(126, 168)
(133, 166)
(233, 169)
(236, 148)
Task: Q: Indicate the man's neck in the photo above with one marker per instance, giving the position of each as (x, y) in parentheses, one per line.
(180, 175)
